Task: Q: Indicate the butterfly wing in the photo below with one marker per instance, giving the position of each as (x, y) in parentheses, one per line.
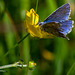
(52, 28)
(66, 27)
(59, 29)
(60, 14)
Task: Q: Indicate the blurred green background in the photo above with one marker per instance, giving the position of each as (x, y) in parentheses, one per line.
(54, 56)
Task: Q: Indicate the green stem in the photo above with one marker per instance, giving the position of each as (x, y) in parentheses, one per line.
(70, 69)
(17, 64)
(23, 38)
(15, 45)
(36, 10)
(36, 6)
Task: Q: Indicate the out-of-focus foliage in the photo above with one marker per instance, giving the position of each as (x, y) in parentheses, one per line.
(54, 56)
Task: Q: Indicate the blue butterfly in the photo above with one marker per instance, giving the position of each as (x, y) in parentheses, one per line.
(57, 23)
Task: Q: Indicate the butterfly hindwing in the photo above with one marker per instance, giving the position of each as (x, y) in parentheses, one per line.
(60, 14)
(66, 27)
(52, 27)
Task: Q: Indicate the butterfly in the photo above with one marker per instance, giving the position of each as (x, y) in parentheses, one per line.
(58, 22)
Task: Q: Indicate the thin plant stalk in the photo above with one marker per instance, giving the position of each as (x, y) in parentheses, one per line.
(13, 65)
(15, 46)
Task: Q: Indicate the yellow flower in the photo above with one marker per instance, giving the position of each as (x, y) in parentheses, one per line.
(31, 20)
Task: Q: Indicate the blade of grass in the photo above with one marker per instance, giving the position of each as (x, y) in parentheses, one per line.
(71, 70)
(5, 60)
(36, 10)
(36, 5)
(9, 36)
(25, 52)
(61, 50)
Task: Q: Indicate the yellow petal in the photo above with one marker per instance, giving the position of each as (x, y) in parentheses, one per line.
(31, 20)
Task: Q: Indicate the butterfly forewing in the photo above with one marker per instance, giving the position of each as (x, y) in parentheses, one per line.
(60, 14)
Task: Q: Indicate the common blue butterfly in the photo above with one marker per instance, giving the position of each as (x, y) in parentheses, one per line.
(58, 22)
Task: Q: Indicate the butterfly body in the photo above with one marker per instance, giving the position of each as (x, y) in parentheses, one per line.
(57, 23)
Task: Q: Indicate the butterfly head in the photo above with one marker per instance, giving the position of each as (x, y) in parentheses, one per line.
(40, 23)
